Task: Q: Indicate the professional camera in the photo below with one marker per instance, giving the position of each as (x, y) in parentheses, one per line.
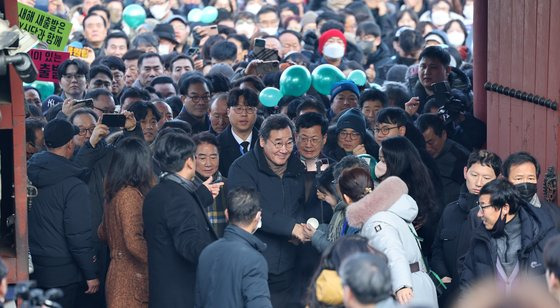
(451, 107)
(33, 297)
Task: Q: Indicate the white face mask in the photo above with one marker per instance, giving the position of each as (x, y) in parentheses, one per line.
(246, 29)
(380, 169)
(456, 38)
(259, 225)
(159, 11)
(440, 18)
(253, 8)
(270, 31)
(163, 49)
(334, 50)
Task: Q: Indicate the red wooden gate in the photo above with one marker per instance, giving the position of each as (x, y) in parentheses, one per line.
(517, 45)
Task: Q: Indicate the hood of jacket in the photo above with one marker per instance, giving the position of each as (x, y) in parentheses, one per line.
(46, 168)
(384, 197)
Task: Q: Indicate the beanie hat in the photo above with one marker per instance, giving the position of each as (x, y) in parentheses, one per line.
(58, 132)
(352, 118)
(327, 35)
(344, 85)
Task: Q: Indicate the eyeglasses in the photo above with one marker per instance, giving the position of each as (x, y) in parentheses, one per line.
(279, 145)
(118, 76)
(313, 141)
(196, 98)
(84, 131)
(481, 206)
(352, 135)
(384, 130)
(246, 109)
(74, 76)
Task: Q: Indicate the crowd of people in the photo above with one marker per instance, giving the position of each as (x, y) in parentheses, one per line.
(199, 195)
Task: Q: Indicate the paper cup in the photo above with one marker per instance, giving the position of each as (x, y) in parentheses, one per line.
(313, 222)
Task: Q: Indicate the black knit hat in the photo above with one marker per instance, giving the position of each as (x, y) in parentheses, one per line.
(352, 118)
(58, 132)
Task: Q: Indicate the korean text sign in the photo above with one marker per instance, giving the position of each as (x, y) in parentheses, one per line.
(47, 62)
(49, 29)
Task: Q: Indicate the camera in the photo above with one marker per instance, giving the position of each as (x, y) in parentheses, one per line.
(33, 297)
(451, 107)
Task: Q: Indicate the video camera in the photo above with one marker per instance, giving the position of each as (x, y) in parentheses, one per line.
(451, 107)
(33, 297)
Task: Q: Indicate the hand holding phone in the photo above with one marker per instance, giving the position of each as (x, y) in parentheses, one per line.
(113, 120)
(266, 67)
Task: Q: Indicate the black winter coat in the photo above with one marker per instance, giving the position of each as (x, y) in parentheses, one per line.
(176, 229)
(230, 150)
(453, 237)
(232, 272)
(60, 233)
(281, 200)
(480, 260)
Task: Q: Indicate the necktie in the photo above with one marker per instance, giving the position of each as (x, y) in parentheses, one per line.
(245, 146)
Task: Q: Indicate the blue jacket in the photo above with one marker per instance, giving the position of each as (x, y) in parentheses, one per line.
(232, 272)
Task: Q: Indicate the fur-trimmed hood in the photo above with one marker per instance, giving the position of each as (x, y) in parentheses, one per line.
(382, 198)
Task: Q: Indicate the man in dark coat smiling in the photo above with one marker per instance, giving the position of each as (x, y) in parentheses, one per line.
(277, 175)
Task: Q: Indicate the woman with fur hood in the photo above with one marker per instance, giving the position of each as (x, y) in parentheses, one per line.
(385, 216)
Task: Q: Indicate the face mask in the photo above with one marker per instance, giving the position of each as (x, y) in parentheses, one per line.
(499, 228)
(468, 11)
(259, 225)
(159, 11)
(246, 29)
(334, 50)
(456, 38)
(270, 31)
(440, 18)
(253, 8)
(365, 46)
(527, 190)
(380, 169)
(350, 36)
(163, 49)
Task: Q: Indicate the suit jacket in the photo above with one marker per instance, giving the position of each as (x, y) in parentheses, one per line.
(176, 229)
(230, 150)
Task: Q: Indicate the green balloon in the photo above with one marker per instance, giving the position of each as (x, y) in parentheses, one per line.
(209, 15)
(358, 77)
(270, 97)
(194, 15)
(134, 15)
(46, 88)
(324, 76)
(295, 80)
